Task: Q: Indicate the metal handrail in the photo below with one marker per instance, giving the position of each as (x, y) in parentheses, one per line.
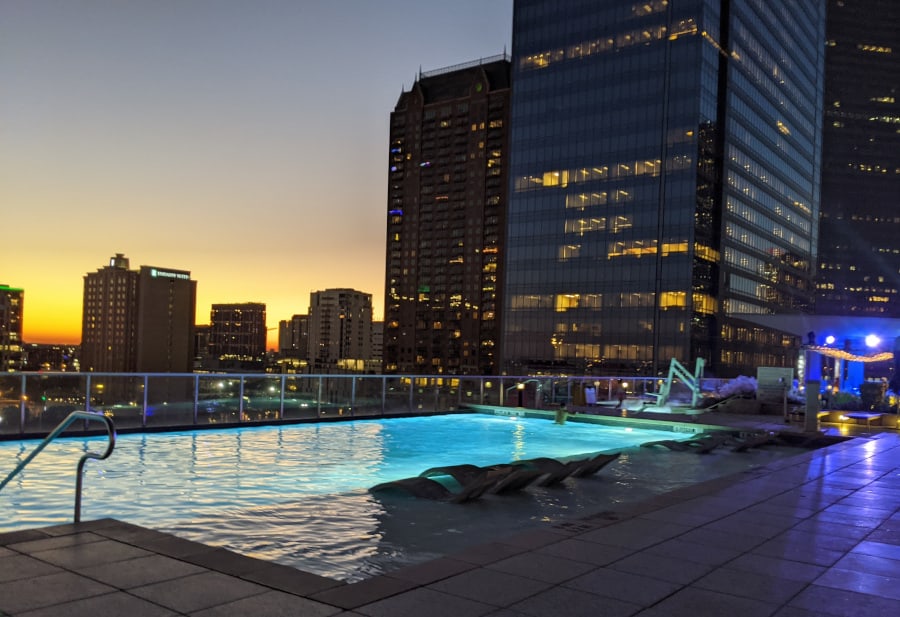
(72, 417)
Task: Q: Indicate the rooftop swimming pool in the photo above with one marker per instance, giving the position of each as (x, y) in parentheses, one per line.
(298, 495)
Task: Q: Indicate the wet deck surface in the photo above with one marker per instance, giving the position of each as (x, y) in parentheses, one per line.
(813, 534)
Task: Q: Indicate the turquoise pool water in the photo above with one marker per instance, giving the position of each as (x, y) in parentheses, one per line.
(298, 494)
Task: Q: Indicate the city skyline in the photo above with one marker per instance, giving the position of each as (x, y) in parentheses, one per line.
(170, 132)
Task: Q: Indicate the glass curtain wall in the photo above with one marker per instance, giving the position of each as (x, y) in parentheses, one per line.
(650, 142)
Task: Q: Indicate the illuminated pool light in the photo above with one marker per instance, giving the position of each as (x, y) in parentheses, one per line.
(872, 340)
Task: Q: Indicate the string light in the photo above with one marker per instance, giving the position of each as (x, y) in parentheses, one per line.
(882, 356)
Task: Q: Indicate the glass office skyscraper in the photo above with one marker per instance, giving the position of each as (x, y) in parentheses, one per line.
(859, 256)
(664, 180)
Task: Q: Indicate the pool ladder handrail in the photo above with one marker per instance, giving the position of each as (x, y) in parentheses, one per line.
(87, 416)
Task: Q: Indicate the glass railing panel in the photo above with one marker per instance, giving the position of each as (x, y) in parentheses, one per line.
(336, 399)
(262, 398)
(218, 399)
(301, 397)
(397, 394)
(435, 394)
(470, 390)
(50, 398)
(369, 400)
(120, 397)
(170, 400)
(10, 404)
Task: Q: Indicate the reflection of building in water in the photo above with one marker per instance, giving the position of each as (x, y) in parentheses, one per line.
(664, 173)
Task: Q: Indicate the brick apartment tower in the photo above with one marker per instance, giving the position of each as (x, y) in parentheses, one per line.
(137, 320)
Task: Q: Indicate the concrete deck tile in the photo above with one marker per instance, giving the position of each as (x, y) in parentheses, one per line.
(108, 605)
(179, 548)
(140, 571)
(198, 591)
(626, 586)
(828, 601)
(426, 601)
(697, 553)
(670, 569)
(756, 586)
(364, 592)
(793, 611)
(855, 510)
(796, 538)
(431, 571)
(269, 604)
(491, 587)
(862, 582)
(780, 568)
(820, 527)
(842, 519)
(722, 539)
(16, 566)
(487, 553)
(48, 590)
(562, 602)
(804, 552)
(48, 543)
(612, 536)
(691, 601)
(226, 561)
(885, 536)
(587, 552)
(869, 564)
(90, 554)
(291, 580)
(542, 567)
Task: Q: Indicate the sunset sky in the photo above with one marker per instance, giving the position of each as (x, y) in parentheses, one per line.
(244, 141)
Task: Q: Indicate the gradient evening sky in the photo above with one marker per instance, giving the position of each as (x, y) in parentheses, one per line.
(243, 140)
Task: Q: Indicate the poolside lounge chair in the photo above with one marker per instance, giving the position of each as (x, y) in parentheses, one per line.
(595, 464)
(463, 474)
(517, 480)
(553, 471)
(756, 441)
(432, 489)
(702, 444)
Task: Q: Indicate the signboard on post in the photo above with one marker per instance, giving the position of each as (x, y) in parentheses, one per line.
(773, 383)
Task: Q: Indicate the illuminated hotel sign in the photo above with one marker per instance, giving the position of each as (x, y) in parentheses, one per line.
(186, 276)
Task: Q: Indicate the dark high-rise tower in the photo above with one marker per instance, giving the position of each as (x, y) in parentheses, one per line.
(447, 187)
(859, 253)
(12, 301)
(665, 175)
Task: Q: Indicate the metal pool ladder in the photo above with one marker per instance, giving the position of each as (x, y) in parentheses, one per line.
(87, 416)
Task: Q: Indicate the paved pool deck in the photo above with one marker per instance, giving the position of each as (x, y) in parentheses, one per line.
(813, 534)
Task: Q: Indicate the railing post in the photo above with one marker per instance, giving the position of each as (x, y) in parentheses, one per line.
(144, 403)
(281, 402)
(241, 401)
(196, 414)
(22, 407)
(412, 386)
(352, 394)
(319, 398)
(383, 394)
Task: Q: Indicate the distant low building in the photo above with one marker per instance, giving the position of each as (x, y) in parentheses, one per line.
(340, 330)
(237, 337)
